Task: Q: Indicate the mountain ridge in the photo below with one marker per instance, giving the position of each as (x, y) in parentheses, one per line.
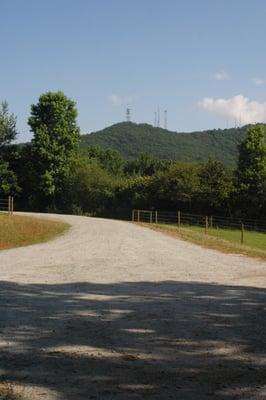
(132, 140)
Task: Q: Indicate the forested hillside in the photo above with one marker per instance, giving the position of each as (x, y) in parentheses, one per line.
(131, 140)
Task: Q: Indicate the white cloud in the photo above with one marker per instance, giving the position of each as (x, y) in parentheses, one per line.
(259, 82)
(221, 76)
(118, 100)
(237, 107)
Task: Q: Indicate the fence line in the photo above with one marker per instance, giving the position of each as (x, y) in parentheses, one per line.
(206, 222)
(7, 205)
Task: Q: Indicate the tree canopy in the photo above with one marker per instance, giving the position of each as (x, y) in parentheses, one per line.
(8, 122)
(8, 132)
(56, 138)
(251, 171)
(54, 173)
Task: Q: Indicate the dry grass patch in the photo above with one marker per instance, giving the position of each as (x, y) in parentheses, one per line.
(6, 392)
(19, 230)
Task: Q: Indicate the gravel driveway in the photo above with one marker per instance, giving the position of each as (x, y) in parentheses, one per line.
(112, 310)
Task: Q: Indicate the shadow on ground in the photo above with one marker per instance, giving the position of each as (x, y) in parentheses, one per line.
(139, 340)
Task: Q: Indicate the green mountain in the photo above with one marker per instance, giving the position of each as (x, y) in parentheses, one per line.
(132, 139)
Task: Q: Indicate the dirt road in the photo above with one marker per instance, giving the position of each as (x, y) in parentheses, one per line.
(112, 310)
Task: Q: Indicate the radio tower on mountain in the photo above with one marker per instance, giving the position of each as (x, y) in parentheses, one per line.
(165, 119)
(155, 119)
(158, 117)
(128, 116)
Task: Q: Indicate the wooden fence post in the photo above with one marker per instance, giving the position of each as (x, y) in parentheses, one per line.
(9, 205)
(206, 225)
(150, 217)
(156, 217)
(138, 213)
(12, 205)
(242, 233)
(133, 215)
(179, 218)
(211, 224)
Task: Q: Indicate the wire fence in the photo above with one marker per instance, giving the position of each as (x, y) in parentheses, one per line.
(238, 227)
(7, 205)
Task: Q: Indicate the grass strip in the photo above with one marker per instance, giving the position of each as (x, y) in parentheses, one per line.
(225, 240)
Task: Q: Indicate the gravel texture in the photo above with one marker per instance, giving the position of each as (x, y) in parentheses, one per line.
(112, 310)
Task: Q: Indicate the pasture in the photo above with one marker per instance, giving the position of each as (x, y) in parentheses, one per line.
(225, 240)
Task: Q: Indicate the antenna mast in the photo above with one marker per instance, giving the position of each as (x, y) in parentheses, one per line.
(165, 119)
(158, 118)
(128, 117)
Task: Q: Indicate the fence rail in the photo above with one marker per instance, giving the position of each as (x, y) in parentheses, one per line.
(7, 205)
(205, 222)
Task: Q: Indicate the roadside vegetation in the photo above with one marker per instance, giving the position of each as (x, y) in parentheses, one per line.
(225, 240)
(19, 230)
(53, 173)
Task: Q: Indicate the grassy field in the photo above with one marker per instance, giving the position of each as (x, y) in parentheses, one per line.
(226, 240)
(19, 230)
(252, 239)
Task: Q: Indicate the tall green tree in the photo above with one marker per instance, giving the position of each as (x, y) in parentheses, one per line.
(175, 188)
(53, 122)
(90, 189)
(8, 132)
(251, 170)
(216, 187)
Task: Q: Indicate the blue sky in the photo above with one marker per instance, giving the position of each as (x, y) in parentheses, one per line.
(204, 61)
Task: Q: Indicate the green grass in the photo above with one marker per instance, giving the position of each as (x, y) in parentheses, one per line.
(20, 230)
(225, 240)
(252, 239)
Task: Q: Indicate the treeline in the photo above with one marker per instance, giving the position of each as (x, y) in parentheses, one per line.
(52, 173)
